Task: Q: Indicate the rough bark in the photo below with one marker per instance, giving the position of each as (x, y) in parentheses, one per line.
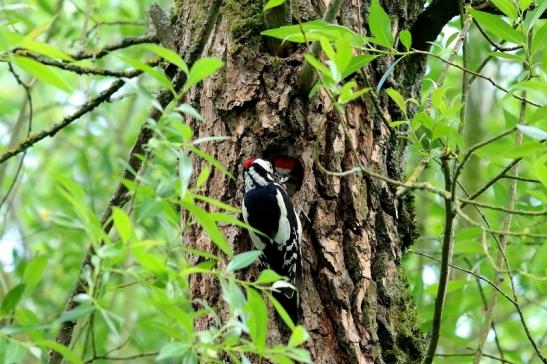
(355, 301)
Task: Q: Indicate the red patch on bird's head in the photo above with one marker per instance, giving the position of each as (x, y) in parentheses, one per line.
(248, 163)
(285, 163)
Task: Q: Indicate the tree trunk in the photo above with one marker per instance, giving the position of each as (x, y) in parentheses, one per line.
(354, 300)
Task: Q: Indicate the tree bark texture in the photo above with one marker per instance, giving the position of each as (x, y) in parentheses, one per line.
(354, 300)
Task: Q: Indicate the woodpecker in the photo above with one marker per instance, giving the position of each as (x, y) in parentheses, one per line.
(267, 207)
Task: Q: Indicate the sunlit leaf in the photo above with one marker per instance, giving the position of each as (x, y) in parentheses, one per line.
(242, 260)
(12, 298)
(201, 69)
(380, 24)
(43, 73)
(496, 26)
(257, 319)
(273, 3)
(168, 55)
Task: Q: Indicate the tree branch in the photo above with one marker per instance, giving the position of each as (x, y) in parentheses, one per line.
(446, 258)
(67, 120)
(124, 43)
(81, 70)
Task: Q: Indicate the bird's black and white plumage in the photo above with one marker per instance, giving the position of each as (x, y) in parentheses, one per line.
(268, 208)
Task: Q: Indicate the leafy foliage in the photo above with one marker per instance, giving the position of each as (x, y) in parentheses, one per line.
(52, 215)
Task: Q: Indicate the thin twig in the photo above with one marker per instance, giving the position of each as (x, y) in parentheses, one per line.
(80, 70)
(490, 80)
(492, 43)
(485, 304)
(136, 356)
(124, 43)
(446, 254)
(485, 355)
(67, 120)
(493, 180)
(478, 276)
(28, 96)
(523, 179)
(473, 148)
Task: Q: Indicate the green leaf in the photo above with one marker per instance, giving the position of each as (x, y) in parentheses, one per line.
(533, 16)
(9, 40)
(380, 24)
(209, 158)
(201, 69)
(300, 355)
(299, 336)
(539, 114)
(217, 203)
(158, 75)
(539, 169)
(273, 3)
(172, 350)
(398, 98)
(257, 318)
(533, 132)
(357, 63)
(209, 226)
(185, 173)
(43, 73)
(123, 224)
(314, 30)
(243, 260)
(406, 38)
(524, 4)
(149, 262)
(14, 353)
(12, 298)
(388, 72)
(76, 313)
(315, 63)
(34, 271)
(268, 276)
(281, 311)
(45, 49)
(496, 26)
(188, 109)
(507, 7)
(539, 41)
(63, 350)
(168, 55)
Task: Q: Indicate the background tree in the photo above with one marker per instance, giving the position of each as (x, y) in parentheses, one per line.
(344, 105)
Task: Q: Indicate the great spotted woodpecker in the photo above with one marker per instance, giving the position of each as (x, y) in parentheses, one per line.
(268, 208)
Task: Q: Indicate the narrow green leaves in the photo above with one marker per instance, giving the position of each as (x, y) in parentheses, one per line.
(298, 337)
(123, 224)
(380, 24)
(273, 3)
(493, 24)
(243, 260)
(533, 132)
(406, 39)
(209, 226)
(507, 7)
(201, 69)
(257, 318)
(43, 73)
(12, 298)
(168, 55)
(158, 75)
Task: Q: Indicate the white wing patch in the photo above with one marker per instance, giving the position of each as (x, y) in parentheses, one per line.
(258, 243)
(284, 227)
